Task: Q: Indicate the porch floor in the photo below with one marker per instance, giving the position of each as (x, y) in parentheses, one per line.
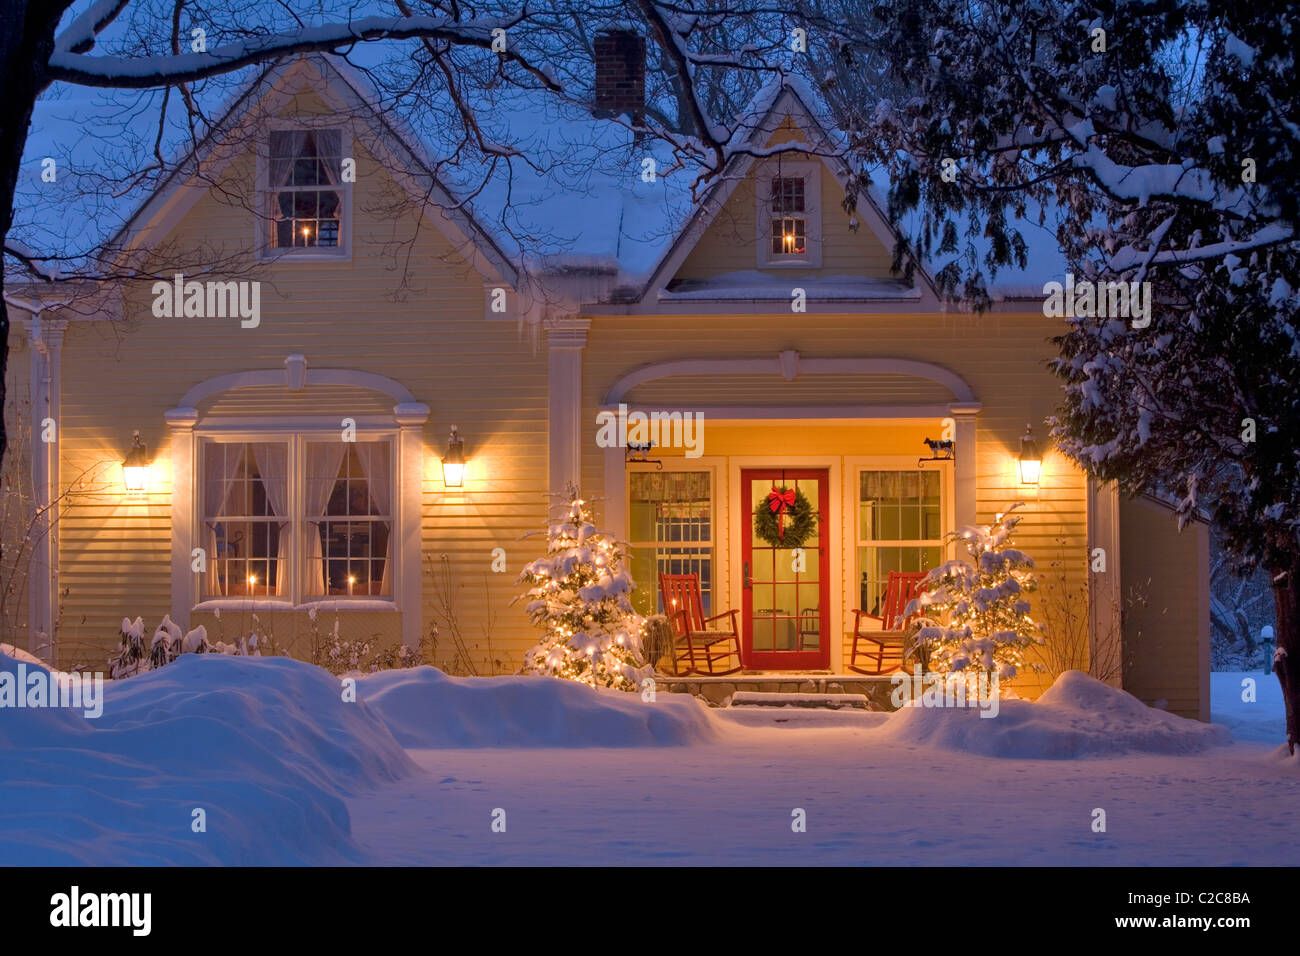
(718, 690)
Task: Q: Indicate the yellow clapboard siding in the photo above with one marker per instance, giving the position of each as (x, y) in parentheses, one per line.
(484, 376)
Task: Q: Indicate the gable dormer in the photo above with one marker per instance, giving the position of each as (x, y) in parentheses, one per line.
(777, 214)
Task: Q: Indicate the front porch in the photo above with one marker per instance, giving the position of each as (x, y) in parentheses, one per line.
(718, 691)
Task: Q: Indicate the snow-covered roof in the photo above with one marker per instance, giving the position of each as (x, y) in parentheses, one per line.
(582, 203)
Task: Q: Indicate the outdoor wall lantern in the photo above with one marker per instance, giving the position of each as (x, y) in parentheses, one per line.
(1031, 458)
(135, 468)
(453, 463)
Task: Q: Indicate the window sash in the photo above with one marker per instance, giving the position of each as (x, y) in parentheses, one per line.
(788, 194)
(789, 236)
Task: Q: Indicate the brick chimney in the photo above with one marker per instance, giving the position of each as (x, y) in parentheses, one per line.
(620, 73)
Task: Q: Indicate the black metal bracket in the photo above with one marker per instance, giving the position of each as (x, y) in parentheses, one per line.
(941, 449)
(636, 453)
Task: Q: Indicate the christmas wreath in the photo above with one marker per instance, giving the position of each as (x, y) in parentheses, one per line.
(784, 519)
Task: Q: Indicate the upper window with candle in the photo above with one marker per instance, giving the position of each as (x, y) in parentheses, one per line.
(789, 214)
(307, 194)
(789, 226)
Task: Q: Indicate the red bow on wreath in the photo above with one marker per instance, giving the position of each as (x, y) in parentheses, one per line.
(780, 502)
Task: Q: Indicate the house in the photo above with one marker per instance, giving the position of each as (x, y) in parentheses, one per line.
(303, 412)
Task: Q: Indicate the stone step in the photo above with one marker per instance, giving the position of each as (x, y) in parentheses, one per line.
(753, 698)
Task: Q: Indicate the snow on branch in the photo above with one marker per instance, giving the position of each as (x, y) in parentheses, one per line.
(152, 71)
(1270, 235)
(80, 35)
(1176, 182)
(31, 261)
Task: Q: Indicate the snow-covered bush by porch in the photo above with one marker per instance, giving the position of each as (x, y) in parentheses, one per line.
(975, 616)
(167, 644)
(580, 595)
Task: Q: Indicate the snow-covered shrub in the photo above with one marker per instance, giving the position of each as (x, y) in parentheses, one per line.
(579, 594)
(130, 658)
(975, 616)
(168, 643)
(396, 657)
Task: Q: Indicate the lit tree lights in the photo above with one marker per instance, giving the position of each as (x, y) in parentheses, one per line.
(579, 594)
(975, 617)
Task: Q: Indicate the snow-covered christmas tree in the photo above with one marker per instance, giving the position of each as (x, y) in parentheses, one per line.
(580, 595)
(974, 617)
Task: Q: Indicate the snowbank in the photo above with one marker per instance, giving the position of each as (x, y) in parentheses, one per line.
(265, 746)
(1262, 719)
(425, 708)
(1076, 717)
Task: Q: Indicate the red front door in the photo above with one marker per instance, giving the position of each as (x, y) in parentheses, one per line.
(787, 613)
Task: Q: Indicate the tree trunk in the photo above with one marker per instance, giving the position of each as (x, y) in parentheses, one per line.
(1243, 630)
(1286, 601)
(26, 42)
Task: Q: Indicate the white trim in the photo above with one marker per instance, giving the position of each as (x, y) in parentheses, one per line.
(351, 378)
(404, 429)
(718, 413)
(617, 392)
(184, 508)
(1105, 590)
(966, 468)
(565, 340)
(810, 171)
(45, 339)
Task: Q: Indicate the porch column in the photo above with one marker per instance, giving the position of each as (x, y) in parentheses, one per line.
(966, 468)
(1105, 586)
(406, 548)
(565, 339)
(45, 336)
(181, 421)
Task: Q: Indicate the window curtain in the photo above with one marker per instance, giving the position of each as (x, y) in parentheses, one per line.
(273, 465)
(220, 474)
(289, 146)
(675, 486)
(323, 462)
(376, 465)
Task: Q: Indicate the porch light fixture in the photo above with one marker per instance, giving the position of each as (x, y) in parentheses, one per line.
(135, 468)
(1031, 458)
(453, 463)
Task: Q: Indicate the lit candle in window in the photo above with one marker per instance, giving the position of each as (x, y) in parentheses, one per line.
(789, 242)
(352, 579)
(252, 580)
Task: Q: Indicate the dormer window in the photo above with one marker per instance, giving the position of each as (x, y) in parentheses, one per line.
(789, 214)
(307, 196)
(789, 226)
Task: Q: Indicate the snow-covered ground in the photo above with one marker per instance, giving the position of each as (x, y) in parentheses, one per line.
(425, 769)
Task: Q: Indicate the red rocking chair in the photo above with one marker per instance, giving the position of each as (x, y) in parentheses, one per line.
(885, 646)
(697, 634)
